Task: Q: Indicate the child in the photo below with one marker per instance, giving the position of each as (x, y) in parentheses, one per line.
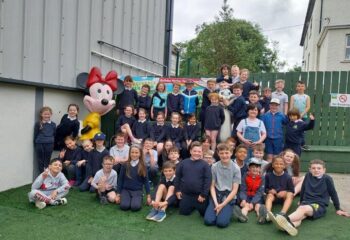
(292, 162)
(226, 178)
(192, 182)
(125, 122)
(238, 107)
(165, 195)
(175, 130)
(224, 70)
(44, 138)
(151, 160)
(251, 131)
(128, 97)
(133, 176)
(141, 129)
(69, 157)
(241, 155)
(254, 99)
(278, 187)
(95, 162)
(211, 84)
(105, 181)
(274, 122)
(258, 155)
(251, 193)
(295, 130)
(191, 130)
(208, 156)
(164, 155)
(317, 189)
(50, 186)
(144, 99)
(158, 132)
(175, 101)
(69, 125)
(214, 119)
(191, 100)
(81, 166)
(282, 96)
(265, 100)
(206, 143)
(235, 74)
(120, 151)
(174, 156)
(159, 100)
(301, 101)
(232, 142)
(246, 85)
(224, 91)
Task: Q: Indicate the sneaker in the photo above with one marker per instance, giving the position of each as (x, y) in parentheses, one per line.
(283, 223)
(262, 214)
(62, 201)
(152, 214)
(103, 200)
(40, 204)
(272, 218)
(160, 216)
(237, 213)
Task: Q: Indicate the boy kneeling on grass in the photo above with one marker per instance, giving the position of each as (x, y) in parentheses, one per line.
(316, 190)
(165, 194)
(50, 187)
(105, 181)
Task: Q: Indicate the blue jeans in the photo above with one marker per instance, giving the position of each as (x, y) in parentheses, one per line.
(221, 220)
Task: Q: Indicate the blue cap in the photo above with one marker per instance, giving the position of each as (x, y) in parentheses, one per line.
(99, 136)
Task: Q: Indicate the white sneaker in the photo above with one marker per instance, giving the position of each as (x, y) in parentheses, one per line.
(40, 204)
(287, 226)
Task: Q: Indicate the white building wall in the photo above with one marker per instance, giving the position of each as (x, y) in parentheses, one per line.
(336, 50)
(16, 141)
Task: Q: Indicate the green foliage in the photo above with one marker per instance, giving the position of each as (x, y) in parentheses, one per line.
(295, 68)
(227, 40)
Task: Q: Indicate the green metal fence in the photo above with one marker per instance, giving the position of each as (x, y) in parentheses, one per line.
(331, 127)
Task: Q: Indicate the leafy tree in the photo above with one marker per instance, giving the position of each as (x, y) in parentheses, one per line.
(227, 40)
(295, 68)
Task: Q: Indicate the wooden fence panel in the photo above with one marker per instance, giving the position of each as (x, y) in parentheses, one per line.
(316, 96)
(324, 120)
(340, 120)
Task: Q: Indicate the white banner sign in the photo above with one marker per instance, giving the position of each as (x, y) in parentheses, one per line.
(340, 100)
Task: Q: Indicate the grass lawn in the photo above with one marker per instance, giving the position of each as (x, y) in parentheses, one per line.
(84, 218)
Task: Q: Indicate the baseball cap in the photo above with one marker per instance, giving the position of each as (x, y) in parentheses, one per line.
(275, 100)
(254, 161)
(99, 136)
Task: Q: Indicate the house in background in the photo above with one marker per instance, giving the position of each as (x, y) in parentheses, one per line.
(326, 36)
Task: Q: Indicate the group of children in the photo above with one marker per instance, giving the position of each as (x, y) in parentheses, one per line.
(220, 180)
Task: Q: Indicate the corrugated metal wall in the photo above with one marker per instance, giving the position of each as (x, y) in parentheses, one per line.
(52, 41)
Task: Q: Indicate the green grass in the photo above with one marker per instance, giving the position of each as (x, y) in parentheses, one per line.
(84, 218)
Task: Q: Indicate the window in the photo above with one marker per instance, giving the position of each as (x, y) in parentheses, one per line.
(347, 48)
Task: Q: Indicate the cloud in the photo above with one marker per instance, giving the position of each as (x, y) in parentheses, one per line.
(268, 14)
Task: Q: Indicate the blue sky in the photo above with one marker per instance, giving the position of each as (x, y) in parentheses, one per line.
(271, 15)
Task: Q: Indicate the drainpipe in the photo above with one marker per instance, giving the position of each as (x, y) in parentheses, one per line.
(168, 36)
(319, 30)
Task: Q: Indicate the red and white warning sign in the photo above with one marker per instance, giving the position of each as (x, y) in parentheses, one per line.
(340, 100)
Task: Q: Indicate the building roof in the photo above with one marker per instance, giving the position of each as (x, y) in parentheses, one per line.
(310, 9)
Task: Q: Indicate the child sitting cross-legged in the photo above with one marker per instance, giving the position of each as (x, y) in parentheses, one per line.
(105, 181)
(165, 194)
(251, 193)
(50, 187)
(226, 177)
(317, 189)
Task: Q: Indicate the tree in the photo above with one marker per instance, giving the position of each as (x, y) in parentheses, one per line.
(228, 40)
(295, 68)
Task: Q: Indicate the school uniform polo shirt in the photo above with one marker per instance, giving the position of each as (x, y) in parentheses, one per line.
(225, 176)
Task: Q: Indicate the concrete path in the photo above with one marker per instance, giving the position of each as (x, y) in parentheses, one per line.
(342, 185)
